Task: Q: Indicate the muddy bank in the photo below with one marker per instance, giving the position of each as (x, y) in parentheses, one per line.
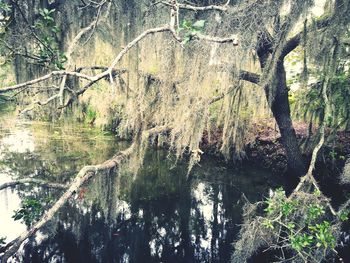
(266, 151)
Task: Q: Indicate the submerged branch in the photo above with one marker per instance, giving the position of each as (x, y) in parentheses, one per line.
(40, 103)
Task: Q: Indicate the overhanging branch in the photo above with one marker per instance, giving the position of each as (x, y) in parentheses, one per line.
(32, 181)
(294, 42)
(200, 8)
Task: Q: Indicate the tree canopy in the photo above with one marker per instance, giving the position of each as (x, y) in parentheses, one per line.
(175, 70)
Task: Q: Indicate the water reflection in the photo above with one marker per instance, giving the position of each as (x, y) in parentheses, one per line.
(44, 151)
(157, 216)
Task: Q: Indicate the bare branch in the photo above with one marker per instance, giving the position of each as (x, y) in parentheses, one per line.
(45, 77)
(93, 79)
(133, 43)
(220, 40)
(76, 41)
(199, 8)
(32, 181)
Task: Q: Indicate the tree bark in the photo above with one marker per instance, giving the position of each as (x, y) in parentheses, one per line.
(281, 111)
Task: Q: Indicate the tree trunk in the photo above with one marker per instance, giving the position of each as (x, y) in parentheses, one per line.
(281, 111)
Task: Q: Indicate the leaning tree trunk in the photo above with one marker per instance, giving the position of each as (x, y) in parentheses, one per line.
(281, 111)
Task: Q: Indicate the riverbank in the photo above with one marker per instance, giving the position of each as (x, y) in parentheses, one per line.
(266, 151)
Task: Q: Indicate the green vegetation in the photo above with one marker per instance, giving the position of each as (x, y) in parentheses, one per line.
(223, 69)
(301, 228)
(31, 210)
(190, 29)
(2, 240)
(49, 52)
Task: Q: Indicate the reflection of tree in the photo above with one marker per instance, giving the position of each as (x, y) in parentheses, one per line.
(163, 221)
(59, 151)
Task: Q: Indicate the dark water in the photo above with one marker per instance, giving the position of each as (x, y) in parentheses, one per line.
(157, 215)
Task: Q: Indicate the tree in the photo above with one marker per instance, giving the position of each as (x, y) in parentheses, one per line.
(255, 38)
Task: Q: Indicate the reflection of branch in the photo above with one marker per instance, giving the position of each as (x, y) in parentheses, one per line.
(32, 181)
(15, 52)
(83, 176)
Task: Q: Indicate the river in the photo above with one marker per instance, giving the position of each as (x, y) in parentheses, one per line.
(157, 215)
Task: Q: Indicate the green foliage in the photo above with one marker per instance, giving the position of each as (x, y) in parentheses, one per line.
(324, 236)
(49, 52)
(31, 210)
(91, 115)
(300, 242)
(315, 211)
(308, 103)
(344, 215)
(190, 29)
(5, 7)
(308, 229)
(47, 15)
(302, 225)
(2, 240)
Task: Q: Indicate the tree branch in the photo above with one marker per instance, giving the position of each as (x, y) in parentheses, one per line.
(32, 181)
(249, 76)
(45, 77)
(200, 8)
(294, 42)
(220, 40)
(75, 43)
(84, 175)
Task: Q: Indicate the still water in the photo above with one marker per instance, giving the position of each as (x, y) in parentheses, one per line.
(158, 215)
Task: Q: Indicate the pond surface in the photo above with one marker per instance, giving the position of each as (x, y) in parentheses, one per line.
(158, 215)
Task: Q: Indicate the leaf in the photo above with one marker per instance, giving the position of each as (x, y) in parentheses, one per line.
(186, 39)
(186, 24)
(6, 7)
(199, 24)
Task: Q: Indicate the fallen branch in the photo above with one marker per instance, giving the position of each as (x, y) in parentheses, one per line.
(83, 176)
